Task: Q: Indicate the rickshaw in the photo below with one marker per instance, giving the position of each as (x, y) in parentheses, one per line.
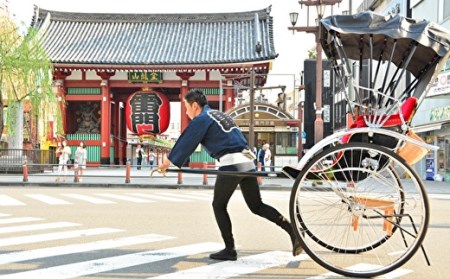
(357, 205)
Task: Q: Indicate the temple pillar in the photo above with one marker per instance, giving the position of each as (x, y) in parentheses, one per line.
(59, 88)
(184, 89)
(229, 95)
(105, 125)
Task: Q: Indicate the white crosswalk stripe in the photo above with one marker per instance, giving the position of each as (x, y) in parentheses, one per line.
(47, 199)
(10, 241)
(4, 215)
(8, 201)
(125, 198)
(112, 198)
(245, 265)
(158, 197)
(36, 227)
(187, 196)
(439, 196)
(80, 248)
(18, 220)
(114, 263)
(393, 274)
(88, 199)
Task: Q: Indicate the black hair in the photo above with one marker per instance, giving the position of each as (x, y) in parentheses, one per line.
(196, 96)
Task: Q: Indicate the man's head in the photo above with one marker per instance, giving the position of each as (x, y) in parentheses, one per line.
(194, 101)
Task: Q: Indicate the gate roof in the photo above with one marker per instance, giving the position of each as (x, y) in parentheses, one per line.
(156, 41)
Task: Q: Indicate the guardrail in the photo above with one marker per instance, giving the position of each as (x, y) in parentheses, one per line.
(11, 160)
(112, 174)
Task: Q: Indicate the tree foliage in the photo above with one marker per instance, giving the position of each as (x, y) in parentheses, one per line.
(25, 74)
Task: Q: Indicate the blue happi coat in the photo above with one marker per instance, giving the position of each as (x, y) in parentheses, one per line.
(215, 131)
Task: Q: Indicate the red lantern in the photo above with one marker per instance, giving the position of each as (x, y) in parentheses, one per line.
(147, 112)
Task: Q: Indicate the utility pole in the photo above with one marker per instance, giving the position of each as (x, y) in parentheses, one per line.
(320, 6)
(251, 127)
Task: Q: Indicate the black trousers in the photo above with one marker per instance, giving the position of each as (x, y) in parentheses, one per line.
(223, 190)
(139, 162)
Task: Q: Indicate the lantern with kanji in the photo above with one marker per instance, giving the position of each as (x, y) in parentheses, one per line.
(147, 112)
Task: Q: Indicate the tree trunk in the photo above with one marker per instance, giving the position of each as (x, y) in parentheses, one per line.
(16, 133)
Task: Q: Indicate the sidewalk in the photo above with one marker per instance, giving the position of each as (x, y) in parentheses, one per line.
(115, 177)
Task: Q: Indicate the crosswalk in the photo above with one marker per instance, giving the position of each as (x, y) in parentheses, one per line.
(113, 253)
(65, 198)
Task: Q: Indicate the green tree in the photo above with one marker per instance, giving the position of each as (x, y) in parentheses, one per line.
(312, 53)
(25, 77)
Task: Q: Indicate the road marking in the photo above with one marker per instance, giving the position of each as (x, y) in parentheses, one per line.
(439, 196)
(115, 263)
(88, 199)
(362, 266)
(4, 215)
(186, 196)
(159, 197)
(53, 236)
(122, 197)
(8, 201)
(19, 220)
(80, 248)
(38, 227)
(242, 266)
(47, 199)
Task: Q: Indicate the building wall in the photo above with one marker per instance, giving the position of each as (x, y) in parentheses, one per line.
(437, 11)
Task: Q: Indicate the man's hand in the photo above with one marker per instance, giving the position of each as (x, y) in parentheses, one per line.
(162, 167)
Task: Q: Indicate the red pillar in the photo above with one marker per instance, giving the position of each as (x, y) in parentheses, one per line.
(184, 89)
(229, 97)
(105, 125)
(59, 88)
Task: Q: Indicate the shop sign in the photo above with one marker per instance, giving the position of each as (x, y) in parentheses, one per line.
(441, 85)
(259, 129)
(441, 113)
(145, 77)
(147, 112)
(240, 122)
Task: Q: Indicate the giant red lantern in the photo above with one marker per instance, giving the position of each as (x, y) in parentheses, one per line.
(147, 112)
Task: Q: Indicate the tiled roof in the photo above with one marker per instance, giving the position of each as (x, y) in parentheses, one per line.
(156, 39)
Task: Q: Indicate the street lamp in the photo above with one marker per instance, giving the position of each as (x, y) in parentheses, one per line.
(320, 7)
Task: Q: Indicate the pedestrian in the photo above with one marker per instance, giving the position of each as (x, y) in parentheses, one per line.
(80, 159)
(139, 155)
(151, 158)
(267, 157)
(261, 154)
(63, 152)
(224, 141)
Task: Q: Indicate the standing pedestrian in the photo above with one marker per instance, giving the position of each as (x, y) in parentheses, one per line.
(267, 157)
(80, 159)
(64, 153)
(223, 140)
(139, 155)
(260, 156)
(151, 158)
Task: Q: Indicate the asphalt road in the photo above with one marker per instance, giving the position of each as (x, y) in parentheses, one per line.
(67, 232)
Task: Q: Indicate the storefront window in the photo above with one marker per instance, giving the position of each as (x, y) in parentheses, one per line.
(286, 144)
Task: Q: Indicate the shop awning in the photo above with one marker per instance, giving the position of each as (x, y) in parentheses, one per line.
(430, 126)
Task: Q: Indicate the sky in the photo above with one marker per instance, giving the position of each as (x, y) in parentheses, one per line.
(292, 48)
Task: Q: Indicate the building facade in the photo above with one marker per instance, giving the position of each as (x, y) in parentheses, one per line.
(101, 59)
(432, 119)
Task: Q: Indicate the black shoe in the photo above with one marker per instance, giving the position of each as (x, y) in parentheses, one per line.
(297, 248)
(225, 255)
